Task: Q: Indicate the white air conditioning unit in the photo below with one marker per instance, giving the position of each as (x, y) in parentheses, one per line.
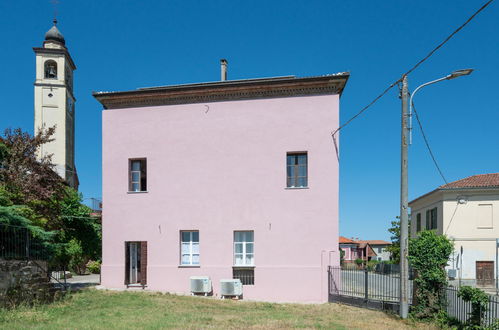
(231, 288)
(200, 284)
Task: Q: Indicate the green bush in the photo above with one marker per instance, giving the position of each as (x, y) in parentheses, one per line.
(428, 256)
(359, 262)
(93, 267)
(479, 301)
(371, 265)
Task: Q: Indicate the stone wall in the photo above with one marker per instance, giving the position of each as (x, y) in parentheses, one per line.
(24, 282)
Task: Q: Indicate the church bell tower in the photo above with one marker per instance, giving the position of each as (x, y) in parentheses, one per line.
(55, 102)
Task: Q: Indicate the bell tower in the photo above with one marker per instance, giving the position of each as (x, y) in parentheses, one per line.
(55, 102)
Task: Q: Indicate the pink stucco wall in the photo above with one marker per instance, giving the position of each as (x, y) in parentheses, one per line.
(219, 167)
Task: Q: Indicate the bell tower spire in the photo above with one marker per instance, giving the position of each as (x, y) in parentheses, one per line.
(55, 102)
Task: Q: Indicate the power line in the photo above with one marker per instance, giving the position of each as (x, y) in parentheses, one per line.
(428, 144)
(413, 68)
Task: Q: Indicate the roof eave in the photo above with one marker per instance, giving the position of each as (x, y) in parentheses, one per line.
(224, 90)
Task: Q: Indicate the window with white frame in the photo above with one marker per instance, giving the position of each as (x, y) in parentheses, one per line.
(137, 176)
(243, 248)
(189, 248)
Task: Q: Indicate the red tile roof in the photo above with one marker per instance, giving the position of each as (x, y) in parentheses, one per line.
(475, 181)
(345, 240)
(375, 242)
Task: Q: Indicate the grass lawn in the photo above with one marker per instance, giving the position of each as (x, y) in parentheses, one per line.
(90, 309)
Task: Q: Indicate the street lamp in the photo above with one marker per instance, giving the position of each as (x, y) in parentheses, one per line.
(453, 75)
(404, 201)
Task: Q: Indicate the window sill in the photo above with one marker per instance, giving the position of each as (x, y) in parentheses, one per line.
(294, 188)
(243, 267)
(189, 266)
(137, 192)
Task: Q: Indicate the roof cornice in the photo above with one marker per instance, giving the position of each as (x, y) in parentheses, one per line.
(224, 91)
(56, 51)
(489, 188)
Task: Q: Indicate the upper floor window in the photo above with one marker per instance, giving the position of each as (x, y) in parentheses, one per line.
(50, 69)
(189, 250)
(484, 216)
(431, 219)
(137, 178)
(418, 222)
(296, 164)
(243, 248)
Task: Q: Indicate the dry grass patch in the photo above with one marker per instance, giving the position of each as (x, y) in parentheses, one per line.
(93, 309)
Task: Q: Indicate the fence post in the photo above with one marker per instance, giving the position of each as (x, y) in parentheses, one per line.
(27, 244)
(366, 284)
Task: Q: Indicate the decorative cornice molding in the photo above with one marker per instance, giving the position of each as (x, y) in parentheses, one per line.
(224, 91)
(56, 51)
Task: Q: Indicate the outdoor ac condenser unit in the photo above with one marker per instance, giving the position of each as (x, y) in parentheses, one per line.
(232, 287)
(200, 284)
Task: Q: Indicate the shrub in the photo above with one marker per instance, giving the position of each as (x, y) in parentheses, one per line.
(428, 256)
(94, 267)
(371, 265)
(479, 301)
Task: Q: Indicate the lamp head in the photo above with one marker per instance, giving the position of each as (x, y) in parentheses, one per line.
(459, 73)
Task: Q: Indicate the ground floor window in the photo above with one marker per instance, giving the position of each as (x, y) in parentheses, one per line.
(189, 250)
(246, 275)
(243, 248)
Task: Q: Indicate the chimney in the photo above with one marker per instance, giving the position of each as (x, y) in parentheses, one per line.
(223, 69)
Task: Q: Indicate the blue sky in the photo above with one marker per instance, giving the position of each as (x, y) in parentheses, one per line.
(122, 45)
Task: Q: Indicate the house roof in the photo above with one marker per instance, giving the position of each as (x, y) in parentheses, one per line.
(346, 240)
(490, 180)
(479, 181)
(375, 242)
(229, 90)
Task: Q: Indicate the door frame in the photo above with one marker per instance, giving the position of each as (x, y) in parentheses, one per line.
(139, 249)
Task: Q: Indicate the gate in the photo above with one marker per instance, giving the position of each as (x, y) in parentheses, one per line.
(377, 289)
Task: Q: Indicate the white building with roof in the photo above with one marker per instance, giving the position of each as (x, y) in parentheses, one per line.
(467, 211)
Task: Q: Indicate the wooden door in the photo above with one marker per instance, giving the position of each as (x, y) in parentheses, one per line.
(485, 273)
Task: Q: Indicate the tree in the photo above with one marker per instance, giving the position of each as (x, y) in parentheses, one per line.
(428, 256)
(394, 248)
(30, 180)
(79, 230)
(32, 190)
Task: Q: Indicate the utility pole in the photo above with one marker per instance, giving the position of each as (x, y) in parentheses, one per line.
(404, 204)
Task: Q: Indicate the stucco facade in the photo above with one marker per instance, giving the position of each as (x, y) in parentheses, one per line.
(469, 217)
(217, 168)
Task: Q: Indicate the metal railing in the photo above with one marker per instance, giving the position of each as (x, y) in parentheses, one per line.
(460, 310)
(369, 288)
(19, 243)
(246, 275)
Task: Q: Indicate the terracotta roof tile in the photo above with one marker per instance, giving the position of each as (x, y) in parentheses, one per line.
(345, 240)
(475, 181)
(375, 242)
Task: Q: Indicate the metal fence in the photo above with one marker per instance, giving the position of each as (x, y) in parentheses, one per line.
(366, 288)
(460, 309)
(20, 243)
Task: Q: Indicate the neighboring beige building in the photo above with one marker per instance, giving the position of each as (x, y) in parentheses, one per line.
(55, 102)
(467, 211)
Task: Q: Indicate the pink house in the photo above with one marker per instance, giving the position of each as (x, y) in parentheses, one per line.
(230, 179)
